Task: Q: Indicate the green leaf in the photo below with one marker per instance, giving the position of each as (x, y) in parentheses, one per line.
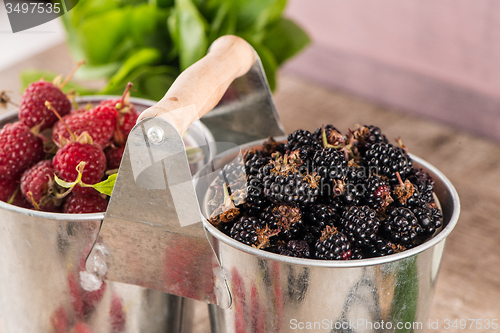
(101, 34)
(285, 39)
(31, 75)
(255, 15)
(161, 3)
(140, 58)
(224, 22)
(192, 40)
(150, 82)
(99, 71)
(148, 27)
(155, 85)
(106, 186)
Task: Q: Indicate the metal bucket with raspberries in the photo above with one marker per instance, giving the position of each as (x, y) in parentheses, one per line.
(43, 283)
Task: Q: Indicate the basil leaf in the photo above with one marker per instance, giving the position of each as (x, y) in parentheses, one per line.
(98, 43)
(255, 15)
(140, 58)
(285, 39)
(193, 41)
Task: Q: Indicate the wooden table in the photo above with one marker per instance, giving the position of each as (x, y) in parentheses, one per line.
(469, 281)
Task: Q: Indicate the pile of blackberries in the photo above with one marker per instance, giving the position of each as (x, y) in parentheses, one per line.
(324, 195)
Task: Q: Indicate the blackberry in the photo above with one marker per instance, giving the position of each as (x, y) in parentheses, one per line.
(424, 184)
(253, 162)
(377, 193)
(428, 216)
(379, 247)
(253, 232)
(283, 183)
(288, 220)
(256, 203)
(295, 248)
(357, 253)
(387, 160)
(330, 164)
(353, 188)
(360, 224)
(374, 135)
(255, 198)
(321, 215)
(401, 226)
(363, 137)
(332, 245)
(327, 135)
(303, 143)
(301, 138)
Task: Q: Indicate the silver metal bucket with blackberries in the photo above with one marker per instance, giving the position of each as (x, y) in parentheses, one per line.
(329, 231)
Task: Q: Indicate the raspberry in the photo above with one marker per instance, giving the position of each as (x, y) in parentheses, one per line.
(114, 156)
(19, 149)
(37, 184)
(85, 204)
(7, 189)
(32, 109)
(67, 159)
(126, 118)
(99, 122)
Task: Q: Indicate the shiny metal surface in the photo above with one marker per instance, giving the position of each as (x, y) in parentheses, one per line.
(247, 111)
(42, 258)
(273, 293)
(152, 232)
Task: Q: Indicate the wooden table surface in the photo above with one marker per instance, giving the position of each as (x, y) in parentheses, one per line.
(469, 282)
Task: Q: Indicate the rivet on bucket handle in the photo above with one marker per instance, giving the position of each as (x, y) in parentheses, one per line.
(150, 235)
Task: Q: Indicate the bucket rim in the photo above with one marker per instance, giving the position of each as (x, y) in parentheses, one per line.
(431, 243)
(90, 216)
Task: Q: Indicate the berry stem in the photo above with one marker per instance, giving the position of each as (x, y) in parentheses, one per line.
(127, 90)
(13, 196)
(70, 75)
(33, 202)
(5, 99)
(398, 176)
(51, 108)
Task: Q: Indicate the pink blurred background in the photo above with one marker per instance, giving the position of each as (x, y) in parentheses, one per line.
(438, 58)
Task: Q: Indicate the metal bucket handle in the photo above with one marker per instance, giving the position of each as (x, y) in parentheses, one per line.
(152, 233)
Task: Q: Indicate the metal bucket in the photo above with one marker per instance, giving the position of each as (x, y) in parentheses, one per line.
(42, 257)
(275, 293)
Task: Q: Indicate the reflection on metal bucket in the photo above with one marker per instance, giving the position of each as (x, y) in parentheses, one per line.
(42, 258)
